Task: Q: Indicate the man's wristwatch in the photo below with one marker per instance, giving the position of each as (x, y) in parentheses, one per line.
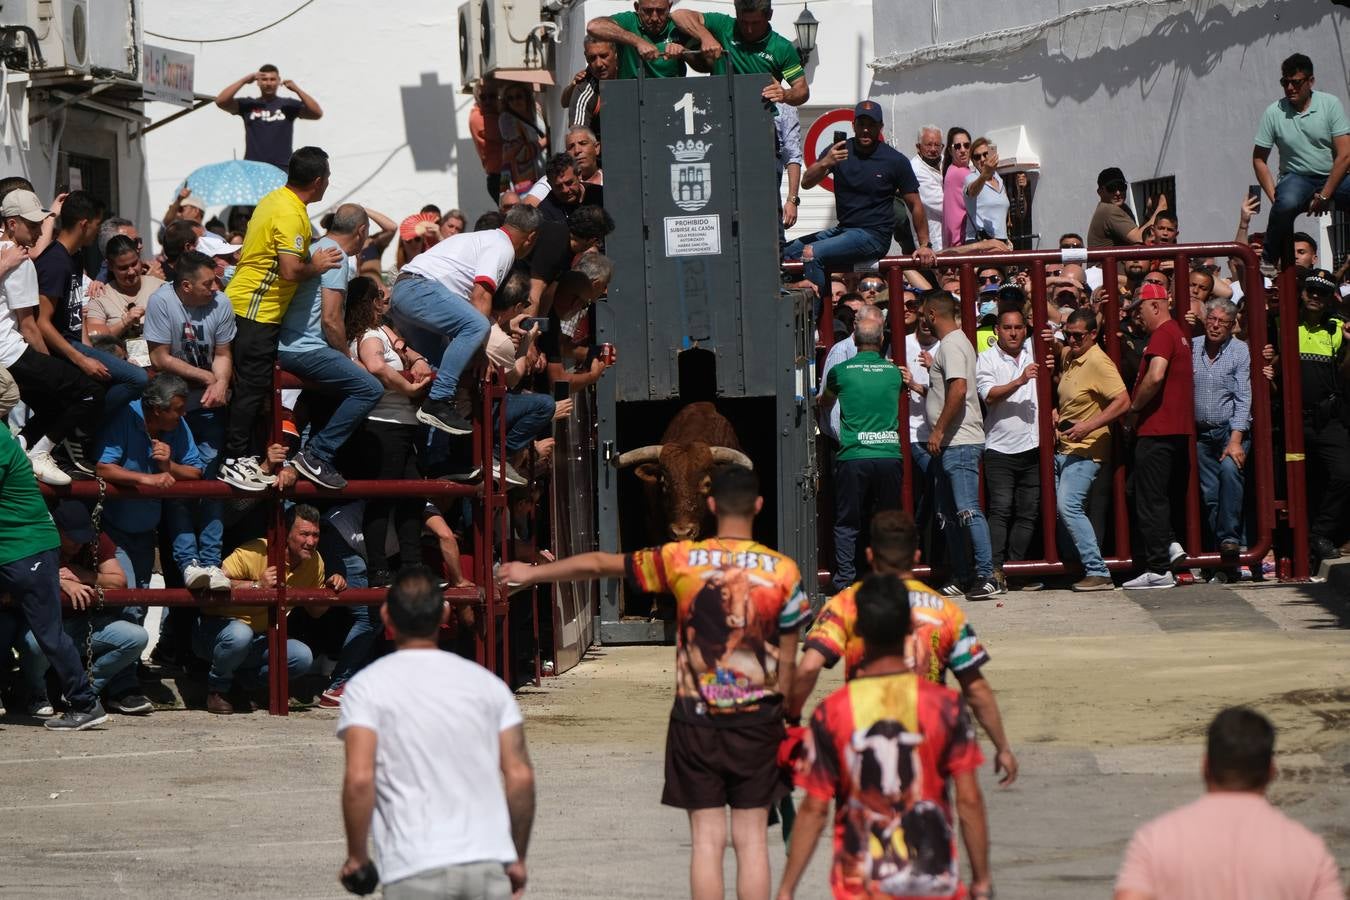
(795, 200)
(927, 245)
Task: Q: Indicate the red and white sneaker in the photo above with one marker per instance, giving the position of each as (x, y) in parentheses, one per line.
(331, 698)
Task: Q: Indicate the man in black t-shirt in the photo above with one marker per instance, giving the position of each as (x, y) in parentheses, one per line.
(867, 174)
(559, 245)
(568, 191)
(268, 119)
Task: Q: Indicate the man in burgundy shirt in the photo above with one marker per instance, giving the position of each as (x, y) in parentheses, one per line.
(1162, 414)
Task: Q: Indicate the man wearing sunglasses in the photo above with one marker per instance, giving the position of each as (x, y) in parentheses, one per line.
(1312, 134)
(1113, 222)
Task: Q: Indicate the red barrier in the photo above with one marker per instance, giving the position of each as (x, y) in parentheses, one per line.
(1262, 456)
(489, 523)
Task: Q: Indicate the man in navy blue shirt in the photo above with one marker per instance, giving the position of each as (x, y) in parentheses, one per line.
(868, 173)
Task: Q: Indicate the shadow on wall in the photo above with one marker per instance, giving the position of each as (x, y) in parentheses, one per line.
(1190, 44)
(429, 122)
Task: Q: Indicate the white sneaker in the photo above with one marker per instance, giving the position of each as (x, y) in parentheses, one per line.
(1151, 581)
(246, 474)
(219, 580)
(46, 469)
(196, 577)
(1175, 552)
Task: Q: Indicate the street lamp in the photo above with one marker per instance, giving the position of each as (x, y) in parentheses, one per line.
(806, 26)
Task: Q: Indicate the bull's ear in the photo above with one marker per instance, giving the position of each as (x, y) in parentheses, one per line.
(648, 472)
(705, 486)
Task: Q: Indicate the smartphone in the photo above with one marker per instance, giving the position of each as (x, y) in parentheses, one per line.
(1254, 193)
(840, 137)
(1066, 425)
(561, 390)
(532, 321)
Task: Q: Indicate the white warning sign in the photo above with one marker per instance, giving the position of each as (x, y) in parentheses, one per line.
(693, 235)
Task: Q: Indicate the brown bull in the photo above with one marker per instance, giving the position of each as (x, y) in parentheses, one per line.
(676, 473)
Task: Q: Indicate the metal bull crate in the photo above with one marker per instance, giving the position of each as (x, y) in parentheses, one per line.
(697, 313)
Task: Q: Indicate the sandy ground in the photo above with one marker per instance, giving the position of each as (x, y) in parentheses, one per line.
(1106, 698)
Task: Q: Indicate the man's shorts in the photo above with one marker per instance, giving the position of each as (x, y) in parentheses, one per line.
(713, 766)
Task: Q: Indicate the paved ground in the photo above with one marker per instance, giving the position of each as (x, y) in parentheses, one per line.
(1106, 698)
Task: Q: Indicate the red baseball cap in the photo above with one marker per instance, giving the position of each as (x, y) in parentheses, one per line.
(1150, 291)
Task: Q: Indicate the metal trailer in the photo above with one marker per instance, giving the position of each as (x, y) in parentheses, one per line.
(697, 312)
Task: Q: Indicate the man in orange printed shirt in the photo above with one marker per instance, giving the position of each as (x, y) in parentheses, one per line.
(886, 747)
(942, 639)
(739, 606)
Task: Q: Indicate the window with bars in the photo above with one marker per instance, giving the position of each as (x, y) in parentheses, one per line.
(1339, 232)
(1145, 194)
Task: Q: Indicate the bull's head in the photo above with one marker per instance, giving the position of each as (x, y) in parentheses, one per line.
(683, 474)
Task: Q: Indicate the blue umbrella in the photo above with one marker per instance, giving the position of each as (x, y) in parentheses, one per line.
(236, 182)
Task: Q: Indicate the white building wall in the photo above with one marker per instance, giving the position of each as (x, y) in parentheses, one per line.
(1156, 88)
(385, 74)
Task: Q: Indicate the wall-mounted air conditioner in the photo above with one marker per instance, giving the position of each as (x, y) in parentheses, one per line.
(470, 45)
(101, 36)
(509, 37)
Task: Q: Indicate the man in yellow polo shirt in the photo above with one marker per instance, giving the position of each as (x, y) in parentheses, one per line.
(274, 260)
(234, 638)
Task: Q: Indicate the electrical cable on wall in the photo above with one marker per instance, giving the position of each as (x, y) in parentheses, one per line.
(235, 37)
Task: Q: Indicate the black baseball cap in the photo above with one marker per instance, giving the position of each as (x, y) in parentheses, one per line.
(1320, 280)
(1109, 176)
(72, 520)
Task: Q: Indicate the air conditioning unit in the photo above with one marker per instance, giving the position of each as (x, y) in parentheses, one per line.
(87, 35)
(508, 36)
(470, 47)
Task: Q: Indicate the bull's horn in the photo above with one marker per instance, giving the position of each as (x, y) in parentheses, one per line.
(723, 455)
(650, 453)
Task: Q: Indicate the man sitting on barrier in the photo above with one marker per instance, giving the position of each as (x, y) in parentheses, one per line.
(114, 643)
(1091, 396)
(146, 444)
(234, 638)
(442, 298)
(868, 174)
(1223, 403)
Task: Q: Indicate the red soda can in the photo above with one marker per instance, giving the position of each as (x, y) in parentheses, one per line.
(607, 354)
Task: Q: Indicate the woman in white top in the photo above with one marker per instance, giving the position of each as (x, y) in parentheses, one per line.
(986, 195)
(388, 437)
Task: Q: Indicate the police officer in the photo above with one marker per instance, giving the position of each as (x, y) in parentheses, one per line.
(1324, 366)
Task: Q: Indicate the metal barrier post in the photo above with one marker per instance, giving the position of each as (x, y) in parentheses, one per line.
(1295, 451)
(1110, 323)
(278, 673)
(1045, 402)
(895, 317)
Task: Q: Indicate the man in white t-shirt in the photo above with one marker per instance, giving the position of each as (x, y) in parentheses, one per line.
(927, 165)
(442, 300)
(443, 826)
(1005, 376)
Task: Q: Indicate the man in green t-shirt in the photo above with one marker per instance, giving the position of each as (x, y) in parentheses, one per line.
(30, 573)
(751, 45)
(647, 35)
(867, 470)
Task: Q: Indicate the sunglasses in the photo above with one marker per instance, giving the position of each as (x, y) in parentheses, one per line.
(964, 146)
(912, 305)
(991, 279)
(978, 156)
(1074, 337)
(1295, 83)
(871, 286)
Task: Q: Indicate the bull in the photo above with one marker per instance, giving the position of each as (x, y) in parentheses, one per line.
(676, 473)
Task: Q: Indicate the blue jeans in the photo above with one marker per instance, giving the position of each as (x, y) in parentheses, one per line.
(527, 417)
(33, 584)
(136, 556)
(428, 315)
(1221, 483)
(1073, 482)
(127, 380)
(231, 646)
(117, 645)
(837, 248)
(196, 525)
(336, 373)
(1293, 192)
(366, 624)
(922, 474)
(958, 502)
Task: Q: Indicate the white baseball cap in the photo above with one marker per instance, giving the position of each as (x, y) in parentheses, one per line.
(24, 205)
(213, 244)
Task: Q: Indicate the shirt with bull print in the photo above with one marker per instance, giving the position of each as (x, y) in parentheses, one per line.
(733, 598)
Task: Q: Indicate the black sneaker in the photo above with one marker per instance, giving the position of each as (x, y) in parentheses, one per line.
(441, 414)
(78, 719)
(952, 589)
(322, 473)
(74, 452)
(984, 590)
(131, 704)
(1323, 548)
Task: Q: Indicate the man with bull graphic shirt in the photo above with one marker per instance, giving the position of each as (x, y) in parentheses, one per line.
(739, 606)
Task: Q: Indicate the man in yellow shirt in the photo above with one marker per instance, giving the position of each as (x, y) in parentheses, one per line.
(274, 260)
(234, 638)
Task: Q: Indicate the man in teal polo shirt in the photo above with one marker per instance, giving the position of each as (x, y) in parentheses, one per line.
(1312, 133)
(867, 471)
(751, 45)
(646, 36)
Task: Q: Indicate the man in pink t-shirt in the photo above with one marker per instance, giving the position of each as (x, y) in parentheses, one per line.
(1231, 844)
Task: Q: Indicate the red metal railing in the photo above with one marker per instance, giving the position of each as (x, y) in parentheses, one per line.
(1262, 456)
(489, 532)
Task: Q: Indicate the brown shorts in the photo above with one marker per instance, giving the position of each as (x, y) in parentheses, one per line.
(712, 766)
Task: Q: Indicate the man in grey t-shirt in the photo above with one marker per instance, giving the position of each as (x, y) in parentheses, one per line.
(956, 441)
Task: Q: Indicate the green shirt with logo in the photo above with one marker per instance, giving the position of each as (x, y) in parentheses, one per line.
(26, 528)
(868, 389)
(772, 54)
(653, 68)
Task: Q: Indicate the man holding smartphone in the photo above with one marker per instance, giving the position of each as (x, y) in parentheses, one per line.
(867, 174)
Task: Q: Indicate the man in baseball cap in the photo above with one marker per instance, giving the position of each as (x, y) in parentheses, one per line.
(1113, 222)
(1322, 347)
(869, 108)
(24, 205)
